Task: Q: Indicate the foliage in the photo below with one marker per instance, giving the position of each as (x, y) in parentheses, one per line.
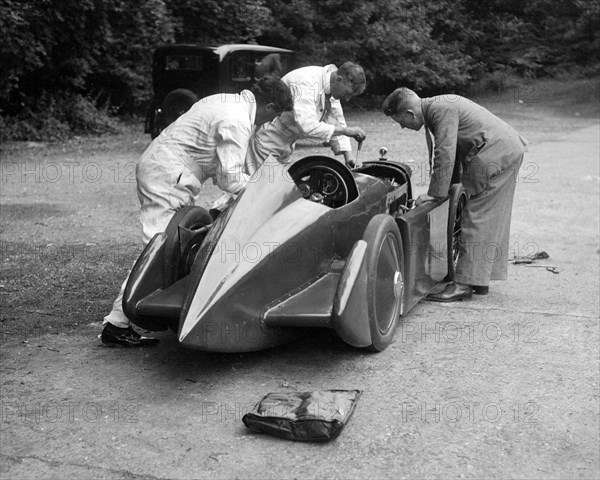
(534, 38)
(395, 40)
(222, 21)
(57, 117)
(402, 47)
(100, 50)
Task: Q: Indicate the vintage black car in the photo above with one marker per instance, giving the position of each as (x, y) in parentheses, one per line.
(315, 245)
(184, 73)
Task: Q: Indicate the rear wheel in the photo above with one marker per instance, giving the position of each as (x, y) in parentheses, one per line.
(385, 279)
(186, 230)
(458, 201)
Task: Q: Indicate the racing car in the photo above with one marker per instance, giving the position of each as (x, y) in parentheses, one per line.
(304, 246)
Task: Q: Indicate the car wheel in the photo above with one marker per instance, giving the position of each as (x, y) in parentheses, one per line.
(458, 201)
(385, 279)
(186, 229)
(175, 104)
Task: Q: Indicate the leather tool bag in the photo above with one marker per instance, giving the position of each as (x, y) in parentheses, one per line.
(303, 416)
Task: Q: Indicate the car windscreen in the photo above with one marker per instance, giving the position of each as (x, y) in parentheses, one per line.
(178, 61)
(190, 69)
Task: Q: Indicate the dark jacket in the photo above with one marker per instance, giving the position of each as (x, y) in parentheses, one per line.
(469, 137)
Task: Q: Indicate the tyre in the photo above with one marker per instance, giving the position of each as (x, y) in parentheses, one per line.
(385, 279)
(185, 231)
(175, 104)
(458, 201)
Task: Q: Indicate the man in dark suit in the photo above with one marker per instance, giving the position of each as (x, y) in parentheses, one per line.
(484, 153)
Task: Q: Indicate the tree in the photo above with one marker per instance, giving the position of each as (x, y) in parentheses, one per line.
(219, 21)
(405, 42)
(59, 59)
(89, 47)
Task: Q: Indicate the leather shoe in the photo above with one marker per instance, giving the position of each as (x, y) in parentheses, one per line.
(480, 289)
(452, 293)
(126, 337)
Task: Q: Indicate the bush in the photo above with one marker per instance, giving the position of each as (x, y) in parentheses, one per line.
(57, 118)
(83, 117)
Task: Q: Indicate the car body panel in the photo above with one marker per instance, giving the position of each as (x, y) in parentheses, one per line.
(424, 232)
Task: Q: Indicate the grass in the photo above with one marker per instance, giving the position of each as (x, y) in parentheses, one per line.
(69, 212)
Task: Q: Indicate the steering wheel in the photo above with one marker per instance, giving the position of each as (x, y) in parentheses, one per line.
(322, 184)
(324, 180)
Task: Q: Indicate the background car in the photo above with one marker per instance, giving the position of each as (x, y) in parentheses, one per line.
(315, 245)
(184, 73)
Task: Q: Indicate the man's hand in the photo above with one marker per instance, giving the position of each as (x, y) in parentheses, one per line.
(350, 162)
(423, 198)
(357, 133)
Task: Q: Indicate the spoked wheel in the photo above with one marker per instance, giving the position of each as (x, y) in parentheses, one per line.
(185, 233)
(458, 201)
(385, 279)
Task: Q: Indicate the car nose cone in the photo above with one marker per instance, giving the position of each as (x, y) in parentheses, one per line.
(230, 290)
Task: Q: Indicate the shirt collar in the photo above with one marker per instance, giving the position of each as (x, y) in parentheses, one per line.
(327, 78)
(425, 103)
(248, 97)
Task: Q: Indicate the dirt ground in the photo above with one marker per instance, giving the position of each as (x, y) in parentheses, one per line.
(503, 386)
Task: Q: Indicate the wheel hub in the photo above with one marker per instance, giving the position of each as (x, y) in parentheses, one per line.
(398, 284)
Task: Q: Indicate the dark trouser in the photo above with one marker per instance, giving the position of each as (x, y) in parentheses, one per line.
(484, 241)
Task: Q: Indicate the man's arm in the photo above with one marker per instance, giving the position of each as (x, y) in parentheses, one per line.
(339, 143)
(305, 112)
(355, 132)
(423, 198)
(232, 143)
(444, 126)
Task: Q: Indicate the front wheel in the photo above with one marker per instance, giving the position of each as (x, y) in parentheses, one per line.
(385, 279)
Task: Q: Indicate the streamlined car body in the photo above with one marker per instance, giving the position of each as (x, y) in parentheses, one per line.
(311, 245)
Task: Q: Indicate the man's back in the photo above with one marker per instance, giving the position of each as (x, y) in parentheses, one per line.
(476, 126)
(199, 130)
